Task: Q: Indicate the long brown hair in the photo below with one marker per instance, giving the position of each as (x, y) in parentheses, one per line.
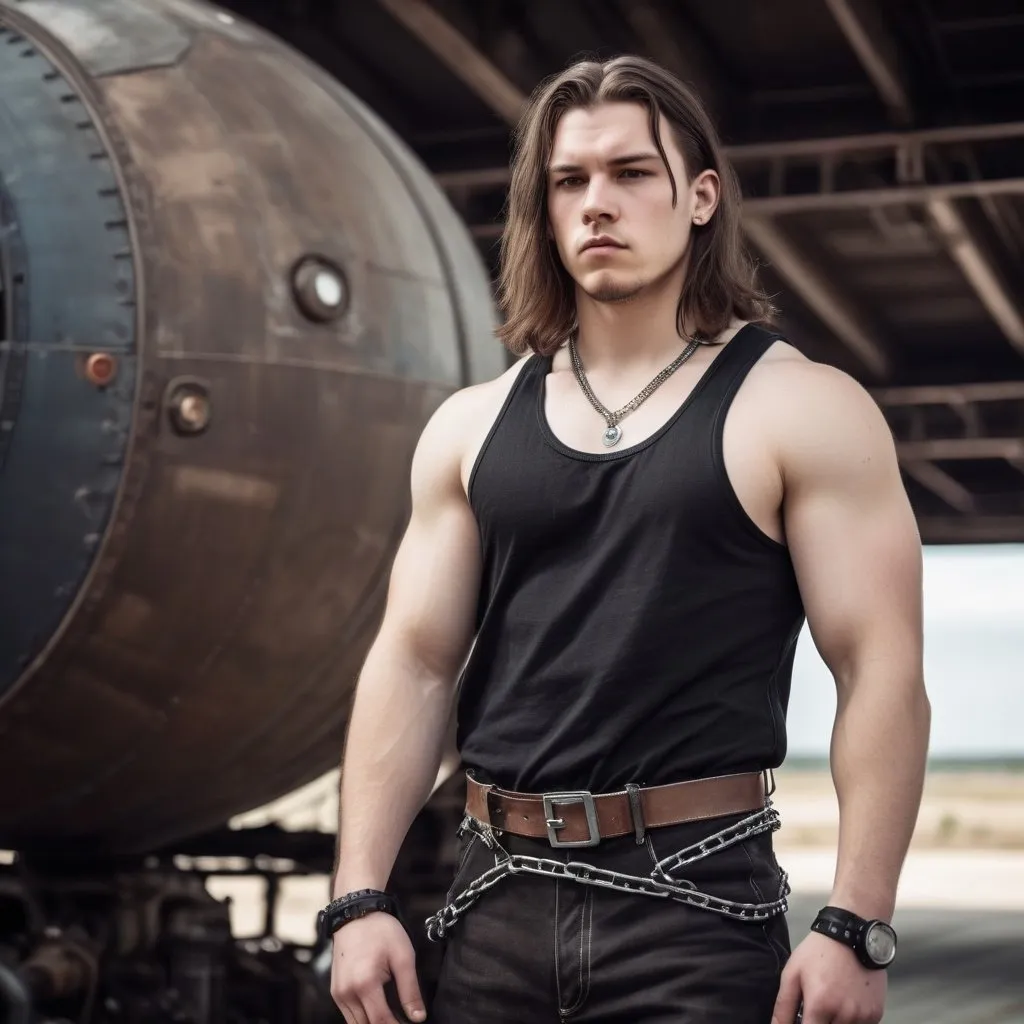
(535, 292)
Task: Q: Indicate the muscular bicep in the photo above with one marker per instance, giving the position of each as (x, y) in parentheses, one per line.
(851, 531)
(435, 576)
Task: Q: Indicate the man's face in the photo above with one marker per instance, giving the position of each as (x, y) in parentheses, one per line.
(607, 181)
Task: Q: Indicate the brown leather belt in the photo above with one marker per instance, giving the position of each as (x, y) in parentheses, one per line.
(584, 819)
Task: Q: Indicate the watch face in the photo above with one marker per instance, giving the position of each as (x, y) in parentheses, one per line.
(880, 943)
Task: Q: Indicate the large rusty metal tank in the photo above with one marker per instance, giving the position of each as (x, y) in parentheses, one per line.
(231, 299)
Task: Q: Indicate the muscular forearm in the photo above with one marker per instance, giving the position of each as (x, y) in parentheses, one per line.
(879, 754)
(393, 751)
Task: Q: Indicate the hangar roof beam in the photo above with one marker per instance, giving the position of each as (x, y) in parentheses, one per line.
(861, 23)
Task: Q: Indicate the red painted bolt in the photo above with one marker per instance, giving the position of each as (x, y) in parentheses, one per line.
(100, 368)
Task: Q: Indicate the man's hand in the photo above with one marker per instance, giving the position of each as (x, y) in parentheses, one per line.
(832, 985)
(368, 953)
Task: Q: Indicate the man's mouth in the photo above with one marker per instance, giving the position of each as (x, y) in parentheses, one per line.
(601, 242)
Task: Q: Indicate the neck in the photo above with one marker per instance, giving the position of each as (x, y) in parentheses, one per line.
(641, 331)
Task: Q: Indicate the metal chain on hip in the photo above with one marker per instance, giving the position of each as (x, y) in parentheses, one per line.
(663, 887)
(613, 432)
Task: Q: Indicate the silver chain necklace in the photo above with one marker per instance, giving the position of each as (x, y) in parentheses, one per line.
(613, 432)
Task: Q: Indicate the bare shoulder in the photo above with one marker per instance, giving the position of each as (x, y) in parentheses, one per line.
(819, 418)
(456, 431)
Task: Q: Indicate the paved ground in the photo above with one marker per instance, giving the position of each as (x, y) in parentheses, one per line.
(931, 879)
(954, 966)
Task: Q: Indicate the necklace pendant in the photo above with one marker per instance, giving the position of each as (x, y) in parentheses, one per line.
(611, 436)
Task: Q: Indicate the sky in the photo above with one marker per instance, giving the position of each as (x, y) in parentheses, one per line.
(973, 658)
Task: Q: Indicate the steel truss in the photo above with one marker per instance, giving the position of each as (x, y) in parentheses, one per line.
(808, 174)
(989, 425)
(932, 168)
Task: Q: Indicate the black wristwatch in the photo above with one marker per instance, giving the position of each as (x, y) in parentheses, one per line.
(352, 906)
(874, 942)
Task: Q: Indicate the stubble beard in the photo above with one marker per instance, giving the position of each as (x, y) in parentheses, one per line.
(619, 292)
(615, 292)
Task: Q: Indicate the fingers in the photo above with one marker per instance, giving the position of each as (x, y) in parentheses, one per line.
(368, 1005)
(823, 1008)
(788, 1001)
(826, 1011)
(376, 1006)
(818, 1015)
(352, 998)
(383, 957)
(829, 1012)
(403, 971)
(351, 1014)
(370, 956)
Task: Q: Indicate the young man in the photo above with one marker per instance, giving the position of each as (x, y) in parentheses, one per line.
(629, 528)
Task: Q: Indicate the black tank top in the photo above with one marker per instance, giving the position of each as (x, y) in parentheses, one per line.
(634, 624)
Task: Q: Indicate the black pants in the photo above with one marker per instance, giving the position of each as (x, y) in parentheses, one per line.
(536, 949)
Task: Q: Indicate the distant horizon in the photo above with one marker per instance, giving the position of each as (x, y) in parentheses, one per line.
(974, 661)
(982, 762)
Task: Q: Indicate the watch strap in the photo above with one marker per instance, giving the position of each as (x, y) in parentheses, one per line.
(847, 928)
(838, 924)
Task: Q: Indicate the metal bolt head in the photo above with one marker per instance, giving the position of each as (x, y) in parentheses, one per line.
(194, 410)
(100, 368)
(190, 409)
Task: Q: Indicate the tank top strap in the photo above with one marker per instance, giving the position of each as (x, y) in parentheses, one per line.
(516, 411)
(740, 357)
(732, 366)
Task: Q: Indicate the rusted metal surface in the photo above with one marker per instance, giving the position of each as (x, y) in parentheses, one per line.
(203, 661)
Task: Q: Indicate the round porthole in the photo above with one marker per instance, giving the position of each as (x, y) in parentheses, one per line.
(320, 289)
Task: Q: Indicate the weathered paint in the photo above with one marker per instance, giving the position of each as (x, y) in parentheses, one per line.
(203, 658)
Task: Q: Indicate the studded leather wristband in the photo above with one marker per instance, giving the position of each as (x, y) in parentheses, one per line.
(351, 907)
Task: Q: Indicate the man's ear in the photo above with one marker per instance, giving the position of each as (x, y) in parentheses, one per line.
(706, 192)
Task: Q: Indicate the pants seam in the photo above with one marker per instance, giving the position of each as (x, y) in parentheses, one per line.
(590, 935)
(649, 843)
(760, 898)
(461, 867)
(586, 927)
(558, 972)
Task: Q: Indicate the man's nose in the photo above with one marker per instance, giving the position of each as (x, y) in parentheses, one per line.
(598, 204)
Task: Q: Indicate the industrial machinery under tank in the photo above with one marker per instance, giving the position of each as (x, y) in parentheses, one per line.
(231, 298)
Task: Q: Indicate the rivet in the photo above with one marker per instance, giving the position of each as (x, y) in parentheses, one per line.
(100, 369)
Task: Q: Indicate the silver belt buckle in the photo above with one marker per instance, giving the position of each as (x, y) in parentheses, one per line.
(553, 823)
